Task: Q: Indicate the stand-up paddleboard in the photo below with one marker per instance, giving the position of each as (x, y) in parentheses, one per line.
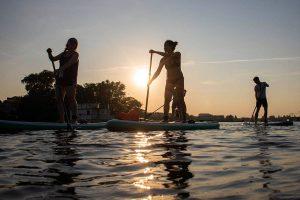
(22, 125)
(280, 123)
(124, 125)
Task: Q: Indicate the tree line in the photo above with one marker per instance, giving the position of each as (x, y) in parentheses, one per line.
(39, 103)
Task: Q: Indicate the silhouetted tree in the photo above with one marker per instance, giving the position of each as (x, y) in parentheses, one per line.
(39, 104)
(40, 83)
(108, 94)
(130, 103)
(229, 118)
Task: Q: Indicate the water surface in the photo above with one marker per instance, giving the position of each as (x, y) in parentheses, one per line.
(235, 162)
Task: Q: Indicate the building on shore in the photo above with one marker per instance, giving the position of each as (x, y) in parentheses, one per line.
(93, 112)
(8, 108)
(210, 117)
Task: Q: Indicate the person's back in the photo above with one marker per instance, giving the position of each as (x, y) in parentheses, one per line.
(260, 90)
(70, 74)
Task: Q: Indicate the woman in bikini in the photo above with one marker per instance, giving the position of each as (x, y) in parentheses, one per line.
(175, 80)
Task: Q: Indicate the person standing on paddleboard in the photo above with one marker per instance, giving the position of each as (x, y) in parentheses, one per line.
(66, 78)
(261, 98)
(175, 80)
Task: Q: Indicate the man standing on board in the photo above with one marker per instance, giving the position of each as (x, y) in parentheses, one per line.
(261, 98)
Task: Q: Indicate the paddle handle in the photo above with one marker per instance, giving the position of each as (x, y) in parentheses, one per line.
(148, 87)
(49, 51)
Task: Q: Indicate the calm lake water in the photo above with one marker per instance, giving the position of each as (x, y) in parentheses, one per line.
(235, 162)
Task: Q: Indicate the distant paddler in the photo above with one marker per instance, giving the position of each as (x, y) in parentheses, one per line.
(175, 80)
(261, 98)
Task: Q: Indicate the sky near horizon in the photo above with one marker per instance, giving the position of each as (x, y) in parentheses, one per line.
(224, 44)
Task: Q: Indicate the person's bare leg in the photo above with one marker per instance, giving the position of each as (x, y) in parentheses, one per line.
(173, 114)
(182, 107)
(60, 95)
(71, 97)
(266, 114)
(181, 102)
(168, 96)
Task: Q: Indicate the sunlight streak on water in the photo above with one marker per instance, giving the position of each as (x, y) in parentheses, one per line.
(143, 142)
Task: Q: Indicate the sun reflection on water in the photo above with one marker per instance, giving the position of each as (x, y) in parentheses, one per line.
(142, 151)
(141, 158)
(143, 181)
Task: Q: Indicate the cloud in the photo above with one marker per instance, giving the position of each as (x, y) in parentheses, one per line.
(188, 63)
(251, 60)
(289, 74)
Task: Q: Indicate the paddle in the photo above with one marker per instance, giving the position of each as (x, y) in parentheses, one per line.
(158, 108)
(255, 105)
(69, 127)
(252, 115)
(148, 87)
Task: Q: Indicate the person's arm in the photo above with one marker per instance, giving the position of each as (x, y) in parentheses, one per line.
(267, 85)
(55, 58)
(255, 90)
(73, 60)
(174, 56)
(156, 74)
(158, 52)
(51, 57)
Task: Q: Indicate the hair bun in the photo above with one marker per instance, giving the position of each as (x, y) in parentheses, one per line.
(171, 43)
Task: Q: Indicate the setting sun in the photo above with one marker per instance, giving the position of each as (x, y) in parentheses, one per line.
(141, 77)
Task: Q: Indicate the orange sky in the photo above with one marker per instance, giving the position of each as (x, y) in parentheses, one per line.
(223, 47)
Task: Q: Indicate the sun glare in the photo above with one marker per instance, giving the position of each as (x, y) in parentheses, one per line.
(141, 77)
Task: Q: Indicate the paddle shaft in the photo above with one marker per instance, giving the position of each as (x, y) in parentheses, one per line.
(159, 108)
(256, 105)
(148, 87)
(252, 114)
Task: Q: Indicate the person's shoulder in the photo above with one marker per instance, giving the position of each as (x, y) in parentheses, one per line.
(264, 83)
(177, 53)
(75, 53)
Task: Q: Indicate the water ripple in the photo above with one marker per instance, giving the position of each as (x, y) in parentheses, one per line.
(235, 162)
